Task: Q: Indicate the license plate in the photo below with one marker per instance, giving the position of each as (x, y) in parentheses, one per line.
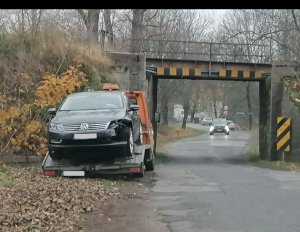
(85, 136)
(73, 173)
(219, 130)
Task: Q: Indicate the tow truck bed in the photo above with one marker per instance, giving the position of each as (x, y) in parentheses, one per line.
(67, 167)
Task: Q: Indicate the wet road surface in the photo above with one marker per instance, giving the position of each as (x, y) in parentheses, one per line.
(207, 185)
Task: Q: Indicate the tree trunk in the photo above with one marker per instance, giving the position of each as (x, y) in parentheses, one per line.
(249, 105)
(93, 18)
(193, 113)
(108, 26)
(186, 107)
(215, 106)
(91, 21)
(137, 29)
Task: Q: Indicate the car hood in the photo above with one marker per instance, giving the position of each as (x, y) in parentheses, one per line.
(219, 125)
(89, 116)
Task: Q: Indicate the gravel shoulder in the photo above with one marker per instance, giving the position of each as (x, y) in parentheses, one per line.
(131, 211)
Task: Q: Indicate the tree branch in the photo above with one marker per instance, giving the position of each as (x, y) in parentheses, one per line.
(83, 16)
(295, 20)
(151, 16)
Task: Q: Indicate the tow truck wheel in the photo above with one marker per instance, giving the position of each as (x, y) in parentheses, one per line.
(150, 165)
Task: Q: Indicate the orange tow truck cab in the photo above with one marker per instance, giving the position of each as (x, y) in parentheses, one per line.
(138, 98)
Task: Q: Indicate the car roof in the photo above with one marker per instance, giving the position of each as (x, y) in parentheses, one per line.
(220, 119)
(96, 92)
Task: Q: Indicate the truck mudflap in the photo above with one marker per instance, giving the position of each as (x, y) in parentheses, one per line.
(67, 167)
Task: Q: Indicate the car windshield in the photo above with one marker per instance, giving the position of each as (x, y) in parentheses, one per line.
(93, 101)
(220, 121)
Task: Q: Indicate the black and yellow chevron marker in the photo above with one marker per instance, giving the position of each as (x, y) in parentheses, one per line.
(240, 74)
(284, 134)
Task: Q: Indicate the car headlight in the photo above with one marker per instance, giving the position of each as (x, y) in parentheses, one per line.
(227, 128)
(56, 127)
(112, 125)
(211, 128)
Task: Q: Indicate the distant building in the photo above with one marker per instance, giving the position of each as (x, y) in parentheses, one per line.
(178, 112)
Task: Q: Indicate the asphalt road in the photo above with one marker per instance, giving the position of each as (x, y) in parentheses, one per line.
(208, 186)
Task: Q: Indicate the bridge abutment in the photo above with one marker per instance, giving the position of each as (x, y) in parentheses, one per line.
(264, 118)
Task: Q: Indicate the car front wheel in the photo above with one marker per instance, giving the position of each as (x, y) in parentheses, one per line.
(129, 146)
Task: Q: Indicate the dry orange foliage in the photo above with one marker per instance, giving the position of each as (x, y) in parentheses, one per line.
(24, 128)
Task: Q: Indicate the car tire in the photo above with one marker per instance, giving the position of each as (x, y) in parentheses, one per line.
(129, 150)
(227, 133)
(211, 133)
(140, 139)
(150, 165)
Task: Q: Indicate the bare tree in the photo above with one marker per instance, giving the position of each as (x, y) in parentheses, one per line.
(108, 27)
(91, 21)
(137, 29)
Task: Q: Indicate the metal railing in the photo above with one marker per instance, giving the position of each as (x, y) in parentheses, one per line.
(204, 51)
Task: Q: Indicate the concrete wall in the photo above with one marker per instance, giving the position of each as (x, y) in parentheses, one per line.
(130, 69)
(281, 105)
(290, 110)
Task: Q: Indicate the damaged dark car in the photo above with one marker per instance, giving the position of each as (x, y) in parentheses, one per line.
(100, 121)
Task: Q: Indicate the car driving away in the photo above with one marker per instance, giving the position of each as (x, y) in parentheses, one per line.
(231, 125)
(219, 125)
(101, 121)
(206, 121)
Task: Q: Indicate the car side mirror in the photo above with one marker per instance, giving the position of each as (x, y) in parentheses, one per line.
(134, 108)
(157, 117)
(52, 111)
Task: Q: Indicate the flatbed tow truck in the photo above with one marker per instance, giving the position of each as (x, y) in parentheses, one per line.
(66, 167)
(143, 158)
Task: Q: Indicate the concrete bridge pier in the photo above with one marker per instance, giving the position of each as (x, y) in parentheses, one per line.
(264, 118)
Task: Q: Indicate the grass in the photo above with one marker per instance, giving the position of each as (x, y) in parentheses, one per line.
(252, 153)
(6, 176)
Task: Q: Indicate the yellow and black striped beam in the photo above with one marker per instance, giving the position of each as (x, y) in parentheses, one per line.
(232, 74)
(173, 71)
(284, 134)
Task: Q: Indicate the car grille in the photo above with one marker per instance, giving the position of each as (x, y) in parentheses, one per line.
(91, 126)
(219, 128)
(88, 141)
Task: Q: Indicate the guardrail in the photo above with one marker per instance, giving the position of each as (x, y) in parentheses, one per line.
(204, 51)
